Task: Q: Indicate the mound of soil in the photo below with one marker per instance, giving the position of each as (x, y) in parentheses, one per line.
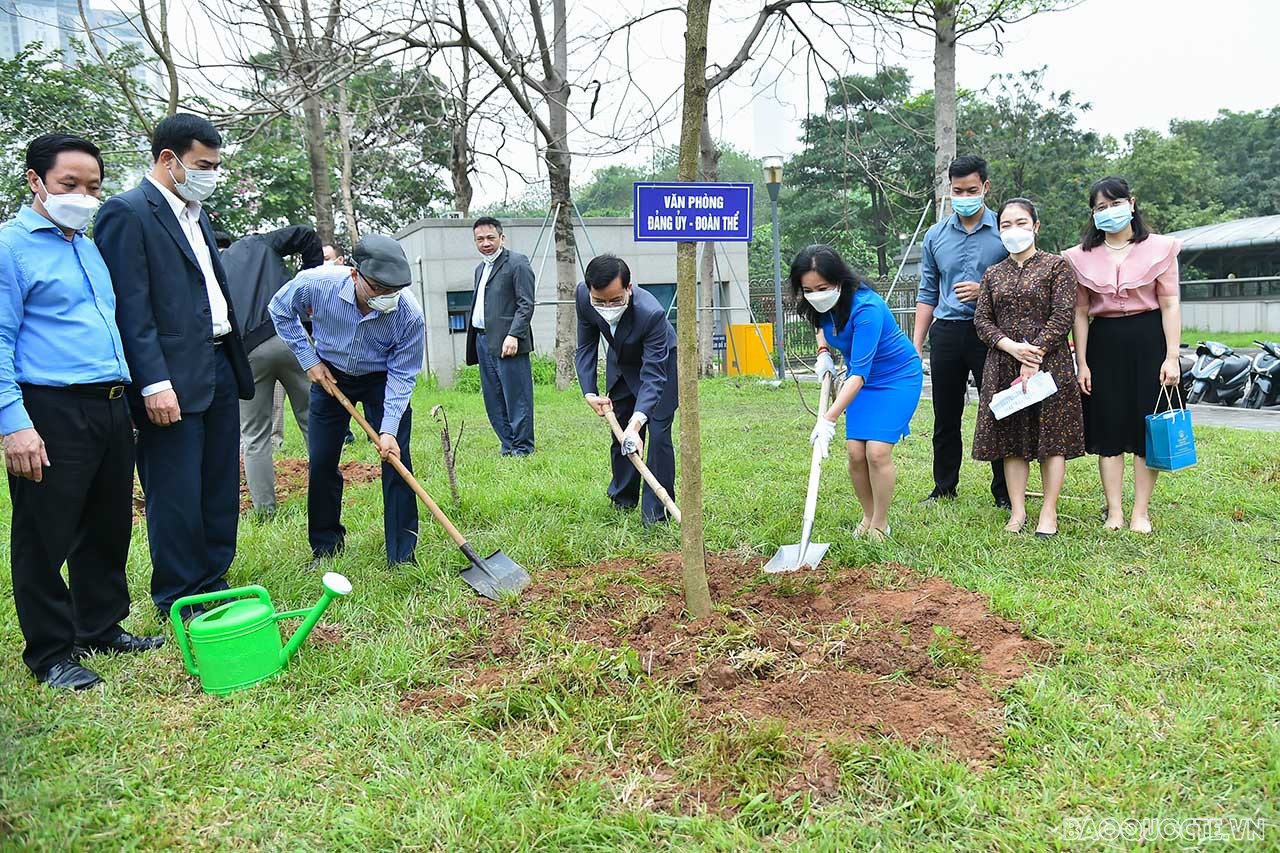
(291, 479)
(837, 654)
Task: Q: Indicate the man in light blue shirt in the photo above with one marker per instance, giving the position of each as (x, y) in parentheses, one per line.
(954, 255)
(367, 341)
(68, 439)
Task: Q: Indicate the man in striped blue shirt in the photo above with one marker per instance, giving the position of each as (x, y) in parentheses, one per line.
(367, 341)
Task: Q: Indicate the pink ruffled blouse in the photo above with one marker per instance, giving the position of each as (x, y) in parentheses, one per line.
(1133, 286)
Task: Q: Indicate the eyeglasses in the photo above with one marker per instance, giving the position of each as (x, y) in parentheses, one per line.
(374, 286)
(620, 302)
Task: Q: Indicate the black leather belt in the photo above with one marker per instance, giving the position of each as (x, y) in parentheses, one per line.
(217, 342)
(95, 390)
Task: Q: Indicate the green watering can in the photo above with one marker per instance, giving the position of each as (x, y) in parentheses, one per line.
(238, 644)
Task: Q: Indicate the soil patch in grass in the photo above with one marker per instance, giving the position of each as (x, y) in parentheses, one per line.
(839, 654)
(291, 479)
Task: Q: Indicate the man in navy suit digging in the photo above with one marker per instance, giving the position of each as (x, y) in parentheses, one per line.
(640, 378)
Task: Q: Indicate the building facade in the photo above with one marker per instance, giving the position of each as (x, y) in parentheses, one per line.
(443, 256)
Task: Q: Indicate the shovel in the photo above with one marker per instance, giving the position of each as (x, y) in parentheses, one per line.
(490, 576)
(793, 557)
(662, 494)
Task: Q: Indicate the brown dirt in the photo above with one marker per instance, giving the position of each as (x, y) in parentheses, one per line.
(835, 655)
(291, 479)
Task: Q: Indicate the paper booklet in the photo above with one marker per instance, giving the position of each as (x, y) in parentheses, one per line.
(1014, 399)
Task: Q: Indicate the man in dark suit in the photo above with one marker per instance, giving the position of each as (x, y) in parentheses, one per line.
(499, 338)
(186, 358)
(640, 378)
(255, 272)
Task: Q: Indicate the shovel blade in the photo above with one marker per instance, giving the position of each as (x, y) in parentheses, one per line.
(788, 558)
(495, 574)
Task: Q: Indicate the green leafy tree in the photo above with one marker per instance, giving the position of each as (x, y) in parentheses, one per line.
(41, 96)
(1245, 147)
(1035, 147)
(1176, 185)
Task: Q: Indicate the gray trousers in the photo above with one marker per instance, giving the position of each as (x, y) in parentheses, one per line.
(271, 361)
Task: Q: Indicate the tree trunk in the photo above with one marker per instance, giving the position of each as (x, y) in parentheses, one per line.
(348, 169)
(697, 596)
(460, 165)
(944, 100)
(318, 159)
(709, 154)
(558, 174)
(880, 226)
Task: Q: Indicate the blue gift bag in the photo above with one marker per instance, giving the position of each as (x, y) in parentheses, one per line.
(1171, 445)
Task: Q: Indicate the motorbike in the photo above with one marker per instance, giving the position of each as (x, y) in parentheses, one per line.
(1219, 375)
(1265, 377)
(1186, 362)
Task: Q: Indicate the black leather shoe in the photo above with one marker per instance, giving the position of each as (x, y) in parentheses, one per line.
(1004, 503)
(936, 496)
(123, 643)
(68, 674)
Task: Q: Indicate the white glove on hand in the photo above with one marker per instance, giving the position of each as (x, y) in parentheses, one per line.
(825, 365)
(631, 443)
(822, 434)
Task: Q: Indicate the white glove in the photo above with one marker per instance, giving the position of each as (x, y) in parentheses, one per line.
(824, 365)
(822, 434)
(631, 442)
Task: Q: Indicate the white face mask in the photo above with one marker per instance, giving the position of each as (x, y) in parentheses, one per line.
(1017, 239)
(384, 303)
(823, 300)
(73, 211)
(199, 185)
(612, 315)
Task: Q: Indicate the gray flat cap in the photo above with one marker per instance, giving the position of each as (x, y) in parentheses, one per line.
(380, 258)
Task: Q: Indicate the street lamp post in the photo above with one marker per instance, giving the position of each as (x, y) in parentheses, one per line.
(773, 180)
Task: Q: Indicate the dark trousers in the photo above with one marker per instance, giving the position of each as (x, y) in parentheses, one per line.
(660, 455)
(507, 386)
(955, 353)
(329, 422)
(190, 473)
(80, 513)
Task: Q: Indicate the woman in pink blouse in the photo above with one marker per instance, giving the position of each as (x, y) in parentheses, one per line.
(1128, 325)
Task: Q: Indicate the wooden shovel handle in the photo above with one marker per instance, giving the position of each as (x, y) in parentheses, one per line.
(644, 469)
(443, 519)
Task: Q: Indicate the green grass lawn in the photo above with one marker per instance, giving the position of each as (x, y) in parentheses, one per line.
(1163, 700)
(1234, 340)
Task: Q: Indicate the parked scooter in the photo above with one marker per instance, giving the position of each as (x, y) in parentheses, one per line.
(1265, 370)
(1186, 362)
(1219, 375)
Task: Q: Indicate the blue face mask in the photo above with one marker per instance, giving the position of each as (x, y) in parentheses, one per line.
(967, 205)
(1113, 219)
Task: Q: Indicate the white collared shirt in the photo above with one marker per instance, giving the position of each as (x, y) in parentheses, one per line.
(188, 216)
(477, 311)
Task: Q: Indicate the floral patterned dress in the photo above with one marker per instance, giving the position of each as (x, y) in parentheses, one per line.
(1034, 302)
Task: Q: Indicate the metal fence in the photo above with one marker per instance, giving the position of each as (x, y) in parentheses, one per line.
(1231, 288)
(800, 344)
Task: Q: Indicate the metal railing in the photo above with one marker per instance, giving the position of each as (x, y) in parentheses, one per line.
(1260, 287)
(798, 339)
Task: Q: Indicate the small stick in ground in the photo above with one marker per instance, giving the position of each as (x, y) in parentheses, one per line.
(449, 446)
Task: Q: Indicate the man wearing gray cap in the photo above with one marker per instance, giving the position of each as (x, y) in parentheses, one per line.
(367, 341)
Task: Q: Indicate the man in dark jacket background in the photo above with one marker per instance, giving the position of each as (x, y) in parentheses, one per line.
(499, 337)
(255, 271)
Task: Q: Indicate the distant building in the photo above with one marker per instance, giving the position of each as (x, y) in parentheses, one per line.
(55, 23)
(443, 257)
(1231, 275)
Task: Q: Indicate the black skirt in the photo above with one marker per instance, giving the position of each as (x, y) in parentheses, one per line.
(1124, 356)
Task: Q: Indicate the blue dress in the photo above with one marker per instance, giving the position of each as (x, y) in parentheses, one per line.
(876, 349)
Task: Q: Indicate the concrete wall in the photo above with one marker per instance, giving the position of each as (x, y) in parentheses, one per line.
(443, 257)
(1243, 315)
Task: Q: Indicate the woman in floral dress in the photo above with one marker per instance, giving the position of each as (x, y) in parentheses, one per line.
(1024, 313)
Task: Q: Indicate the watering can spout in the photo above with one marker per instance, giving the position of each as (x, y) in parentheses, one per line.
(335, 586)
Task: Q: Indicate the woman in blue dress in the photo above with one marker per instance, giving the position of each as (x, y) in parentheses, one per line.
(882, 383)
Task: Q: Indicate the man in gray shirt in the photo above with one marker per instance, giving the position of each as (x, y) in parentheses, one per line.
(499, 337)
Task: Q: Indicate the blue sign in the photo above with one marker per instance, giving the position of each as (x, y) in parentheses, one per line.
(693, 212)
